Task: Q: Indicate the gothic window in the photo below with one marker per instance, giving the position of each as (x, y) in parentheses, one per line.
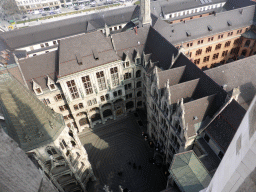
(128, 96)
(114, 76)
(138, 73)
(46, 101)
(139, 94)
(51, 151)
(72, 89)
(64, 143)
(102, 98)
(107, 96)
(101, 80)
(139, 84)
(58, 97)
(128, 86)
(247, 43)
(63, 107)
(87, 85)
(127, 76)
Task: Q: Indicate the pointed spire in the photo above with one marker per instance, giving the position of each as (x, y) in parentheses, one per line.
(145, 15)
(107, 30)
(29, 122)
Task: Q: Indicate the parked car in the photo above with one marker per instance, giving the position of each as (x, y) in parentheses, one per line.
(52, 13)
(24, 16)
(76, 8)
(44, 14)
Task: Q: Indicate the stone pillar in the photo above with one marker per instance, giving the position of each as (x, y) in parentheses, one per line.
(101, 115)
(113, 110)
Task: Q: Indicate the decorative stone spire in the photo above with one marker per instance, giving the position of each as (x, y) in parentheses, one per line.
(145, 15)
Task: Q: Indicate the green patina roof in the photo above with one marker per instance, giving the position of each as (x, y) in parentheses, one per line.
(29, 122)
(189, 173)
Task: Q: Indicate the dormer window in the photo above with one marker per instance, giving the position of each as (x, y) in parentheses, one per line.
(138, 61)
(38, 91)
(52, 86)
(126, 64)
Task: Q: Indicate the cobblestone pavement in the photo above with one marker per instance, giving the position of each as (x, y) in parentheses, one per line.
(111, 147)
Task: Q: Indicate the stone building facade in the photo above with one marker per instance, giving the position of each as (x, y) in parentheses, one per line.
(35, 5)
(43, 135)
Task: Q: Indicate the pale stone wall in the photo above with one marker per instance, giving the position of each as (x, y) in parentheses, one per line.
(236, 171)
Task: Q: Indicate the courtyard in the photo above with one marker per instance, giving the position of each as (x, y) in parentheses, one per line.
(120, 156)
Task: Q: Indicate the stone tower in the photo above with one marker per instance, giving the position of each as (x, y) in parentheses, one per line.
(145, 15)
(43, 135)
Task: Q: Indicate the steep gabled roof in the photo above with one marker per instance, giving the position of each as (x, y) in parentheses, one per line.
(223, 128)
(174, 76)
(38, 67)
(161, 50)
(183, 90)
(196, 111)
(86, 46)
(128, 41)
(29, 122)
(240, 74)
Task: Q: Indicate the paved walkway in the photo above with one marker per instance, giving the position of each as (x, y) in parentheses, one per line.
(111, 147)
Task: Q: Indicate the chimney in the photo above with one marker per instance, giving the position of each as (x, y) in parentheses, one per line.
(79, 59)
(95, 54)
(136, 30)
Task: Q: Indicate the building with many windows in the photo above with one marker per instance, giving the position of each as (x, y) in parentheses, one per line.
(93, 74)
(35, 5)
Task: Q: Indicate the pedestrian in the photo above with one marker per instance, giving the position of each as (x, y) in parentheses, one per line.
(142, 133)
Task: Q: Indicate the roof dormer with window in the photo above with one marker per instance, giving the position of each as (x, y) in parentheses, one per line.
(137, 57)
(126, 61)
(51, 84)
(37, 88)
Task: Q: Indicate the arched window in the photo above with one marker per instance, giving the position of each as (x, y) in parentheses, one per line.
(138, 73)
(51, 151)
(139, 94)
(73, 143)
(138, 84)
(64, 143)
(247, 43)
(244, 52)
